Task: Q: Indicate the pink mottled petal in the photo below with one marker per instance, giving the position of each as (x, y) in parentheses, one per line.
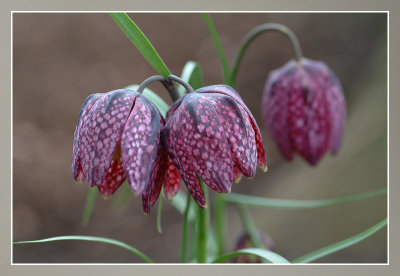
(337, 107)
(275, 108)
(238, 132)
(173, 107)
(140, 144)
(114, 178)
(222, 89)
(172, 182)
(227, 90)
(102, 131)
(76, 163)
(202, 142)
(185, 168)
(158, 175)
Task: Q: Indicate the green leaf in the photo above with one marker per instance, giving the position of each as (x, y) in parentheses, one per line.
(94, 239)
(341, 245)
(218, 45)
(157, 100)
(87, 211)
(141, 42)
(192, 74)
(297, 204)
(263, 253)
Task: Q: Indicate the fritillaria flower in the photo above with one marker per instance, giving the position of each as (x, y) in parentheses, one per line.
(211, 134)
(244, 241)
(117, 137)
(304, 109)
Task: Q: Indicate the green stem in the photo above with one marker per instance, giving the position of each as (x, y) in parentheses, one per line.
(202, 226)
(249, 225)
(218, 45)
(256, 32)
(219, 217)
(185, 229)
(341, 245)
(159, 211)
(87, 211)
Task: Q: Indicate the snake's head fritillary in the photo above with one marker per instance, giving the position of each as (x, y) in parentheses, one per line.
(304, 109)
(211, 134)
(117, 137)
(244, 241)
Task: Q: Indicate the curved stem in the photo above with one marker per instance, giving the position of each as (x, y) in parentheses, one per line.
(249, 225)
(256, 32)
(167, 84)
(185, 228)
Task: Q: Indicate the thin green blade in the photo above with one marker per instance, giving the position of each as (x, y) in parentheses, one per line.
(263, 253)
(297, 204)
(137, 37)
(341, 245)
(94, 239)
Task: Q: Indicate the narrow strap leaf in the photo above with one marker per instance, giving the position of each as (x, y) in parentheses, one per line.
(263, 253)
(153, 97)
(137, 37)
(218, 45)
(341, 245)
(297, 204)
(94, 239)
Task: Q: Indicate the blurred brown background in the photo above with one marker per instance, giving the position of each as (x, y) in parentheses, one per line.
(59, 59)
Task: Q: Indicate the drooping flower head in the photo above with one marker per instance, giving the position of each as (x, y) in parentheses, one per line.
(117, 137)
(304, 109)
(244, 241)
(211, 134)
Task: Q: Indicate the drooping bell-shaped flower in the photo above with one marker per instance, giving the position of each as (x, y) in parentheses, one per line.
(211, 134)
(304, 109)
(244, 241)
(117, 137)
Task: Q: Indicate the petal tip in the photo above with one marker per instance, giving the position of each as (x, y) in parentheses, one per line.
(237, 179)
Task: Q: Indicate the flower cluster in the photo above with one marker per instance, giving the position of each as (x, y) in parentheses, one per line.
(304, 109)
(209, 134)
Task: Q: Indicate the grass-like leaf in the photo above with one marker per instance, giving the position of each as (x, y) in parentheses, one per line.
(152, 96)
(297, 204)
(263, 253)
(93, 239)
(192, 74)
(341, 245)
(218, 45)
(137, 37)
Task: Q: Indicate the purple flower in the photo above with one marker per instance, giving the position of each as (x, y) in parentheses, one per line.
(244, 241)
(211, 133)
(117, 137)
(304, 109)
